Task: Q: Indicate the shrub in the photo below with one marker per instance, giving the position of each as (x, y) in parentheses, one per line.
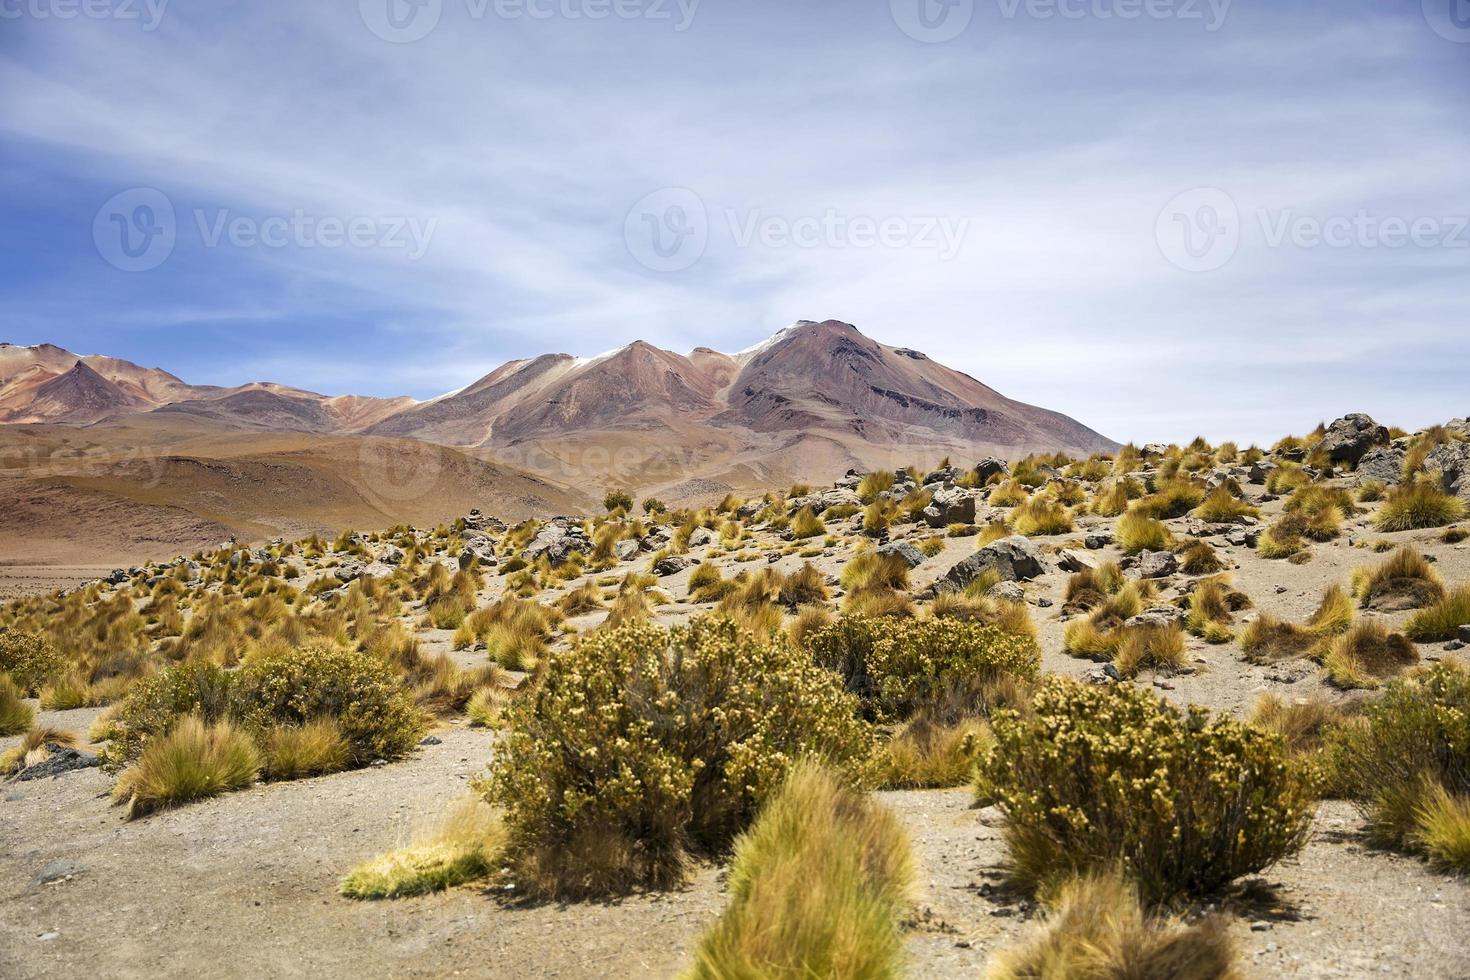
(191, 762)
(898, 666)
(155, 703)
(1366, 654)
(15, 714)
(376, 716)
(459, 850)
(312, 749)
(652, 505)
(1414, 737)
(31, 659)
(1404, 581)
(617, 500)
(1096, 777)
(816, 889)
(1100, 931)
(1442, 620)
(643, 746)
(1418, 505)
(1138, 532)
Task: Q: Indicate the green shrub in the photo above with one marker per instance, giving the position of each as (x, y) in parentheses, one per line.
(644, 746)
(1092, 778)
(897, 666)
(31, 659)
(154, 704)
(617, 500)
(375, 714)
(15, 715)
(1415, 737)
(817, 886)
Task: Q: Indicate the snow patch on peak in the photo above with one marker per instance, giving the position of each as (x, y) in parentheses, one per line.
(773, 339)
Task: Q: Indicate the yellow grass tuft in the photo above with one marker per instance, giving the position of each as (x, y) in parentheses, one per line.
(459, 850)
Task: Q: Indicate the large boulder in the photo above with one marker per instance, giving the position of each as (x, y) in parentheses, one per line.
(990, 466)
(1155, 564)
(1451, 463)
(951, 506)
(912, 557)
(557, 540)
(1383, 463)
(1351, 436)
(1015, 558)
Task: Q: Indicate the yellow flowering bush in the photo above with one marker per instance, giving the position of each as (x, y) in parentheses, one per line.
(897, 666)
(643, 746)
(155, 703)
(375, 713)
(1095, 777)
(29, 658)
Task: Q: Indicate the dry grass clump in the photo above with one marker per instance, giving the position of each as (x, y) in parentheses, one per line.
(875, 584)
(1269, 639)
(1223, 507)
(707, 585)
(1008, 494)
(297, 751)
(192, 761)
(1365, 654)
(806, 525)
(1413, 746)
(1156, 648)
(973, 605)
(586, 598)
(1442, 620)
(457, 851)
(1138, 532)
(1212, 606)
(1099, 930)
(1416, 505)
(35, 748)
(1090, 588)
(1370, 491)
(1114, 497)
(1199, 558)
(1099, 636)
(817, 886)
(15, 714)
(1405, 581)
(1040, 516)
(693, 728)
(1442, 829)
(1308, 726)
(1173, 498)
(947, 667)
(874, 484)
(1096, 778)
(925, 754)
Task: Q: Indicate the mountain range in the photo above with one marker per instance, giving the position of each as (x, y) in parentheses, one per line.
(814, 398)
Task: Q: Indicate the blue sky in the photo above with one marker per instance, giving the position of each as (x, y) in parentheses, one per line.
(1165, 217)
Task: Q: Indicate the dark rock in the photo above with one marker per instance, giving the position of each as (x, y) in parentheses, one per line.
(1015, 558)
(1156, 564)
(911, 556)
(62, 760)
(1463, 633)
(1097, 539)
(1349, 438)
(1260, 470)
(952, 506)
(431, 740)
(670, 565)
(1451, 463)
(1384, 464)
(990, 466)
(57, 870)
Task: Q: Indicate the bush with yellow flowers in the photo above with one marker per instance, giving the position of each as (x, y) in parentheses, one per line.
(1092, 778)
(643, 747)
(29, 658)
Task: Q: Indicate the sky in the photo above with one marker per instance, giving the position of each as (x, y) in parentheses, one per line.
(1166, 218)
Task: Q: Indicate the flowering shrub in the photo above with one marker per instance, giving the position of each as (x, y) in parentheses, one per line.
(375, 714)
(897, 666)
(643, 745)
(29, 658)
(1096, 777)
(155, 703)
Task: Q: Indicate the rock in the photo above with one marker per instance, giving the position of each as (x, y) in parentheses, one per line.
(911, 556)
(392, 555)
(1094, 540)
(63, 759)
(702, 536)
(1015, 558)
(990, 466)
(1463, 633)
(57, 870)
(1260, 925)
(1070, 561)
(945, 476)
(1156, 564)
(1105, 674)
(1384, 464)
(116, 577)
(952, 506)
(1010, 591)
(557, 540)
(1158, 616)
(626, 550)
(1451, 463)
(431, 740)
(348, 571)
(1349, 438)
(1260, 470)
(670, 565)
(1454, 645)
(657, 539)
(1155, 450)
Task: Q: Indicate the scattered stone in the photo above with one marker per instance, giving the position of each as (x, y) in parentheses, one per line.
(670, 565)
(1349, 438)
(1070, 561)
(952, 506)
(1006, 590)
(911, 555)
(702, 536)
(1014, 558)
(1158, 616)
(57, 871)
(990, 466)
(63, 759)
(1097, 539)
(1156, 564)
(1384, 464)
(431, 740)
(1463, 633)
(1260, 925)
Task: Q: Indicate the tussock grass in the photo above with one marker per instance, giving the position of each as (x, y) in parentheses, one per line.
(584, 599)
(1442, 620)
(1220, 506)
(486, 707)
(874, 484)
(1418, 505)
(191, 762)
(1090, 588)
(15, 714)
(1098, 930)
(458, 851)
(1212, 606)
(1304, 723)
(35, 748)
(1153, 648)
(1442, 829)
(1174, 498)
(297, 751)
(1366, 654)
(1040, 516)
(1199, 558)
(816, 888)
(1405, 581)
(1138, 532)
(1370, 491)
(1008, 494)
(807, 524)
(1269, 639)
(925, 754)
